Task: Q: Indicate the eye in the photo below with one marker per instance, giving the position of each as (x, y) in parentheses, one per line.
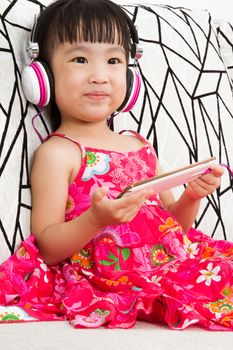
(114, 60)
(81, 60)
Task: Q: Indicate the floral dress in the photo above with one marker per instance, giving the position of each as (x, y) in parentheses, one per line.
(147, 269)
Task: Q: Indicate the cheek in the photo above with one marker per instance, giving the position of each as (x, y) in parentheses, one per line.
(63, 94)
(66, 79)
(65, 86)
(122, 87)
(60, 92)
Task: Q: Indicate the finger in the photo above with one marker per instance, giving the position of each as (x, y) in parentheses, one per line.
(146, 193)
(127, 216)
(207, 180)
(212, 178)
(135, 197)
(218, 171)
(204, 185)
(99, 194)
(136, 205)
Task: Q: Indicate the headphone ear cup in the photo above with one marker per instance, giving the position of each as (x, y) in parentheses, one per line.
(38, 83)
(133, 88)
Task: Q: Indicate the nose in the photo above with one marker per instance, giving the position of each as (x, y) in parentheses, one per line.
(98, 74)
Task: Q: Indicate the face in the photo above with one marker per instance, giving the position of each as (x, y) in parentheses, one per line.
(90, 80)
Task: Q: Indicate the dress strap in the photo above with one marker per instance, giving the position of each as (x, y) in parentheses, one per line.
(140, 137)
(82, 148)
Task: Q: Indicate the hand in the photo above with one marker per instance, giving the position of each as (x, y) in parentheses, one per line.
(205, 184)
(117, 211)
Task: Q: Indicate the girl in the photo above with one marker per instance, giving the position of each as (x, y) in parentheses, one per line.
(94, 259)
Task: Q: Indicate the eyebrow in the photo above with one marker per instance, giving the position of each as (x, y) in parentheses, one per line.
(84, 48)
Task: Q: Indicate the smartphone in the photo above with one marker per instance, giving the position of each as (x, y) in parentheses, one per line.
(173, 178)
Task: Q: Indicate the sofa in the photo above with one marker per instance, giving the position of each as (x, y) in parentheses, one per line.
(185, 109)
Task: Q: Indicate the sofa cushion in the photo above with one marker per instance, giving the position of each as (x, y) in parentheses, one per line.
(224, 32)
(185, 108)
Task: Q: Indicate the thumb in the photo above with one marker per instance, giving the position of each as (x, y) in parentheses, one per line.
(99, 194)
(218, 171)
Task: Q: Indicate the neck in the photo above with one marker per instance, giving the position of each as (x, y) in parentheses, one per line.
(85, 131)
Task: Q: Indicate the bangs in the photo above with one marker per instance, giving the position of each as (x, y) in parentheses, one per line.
(105, 30)
(89, 21)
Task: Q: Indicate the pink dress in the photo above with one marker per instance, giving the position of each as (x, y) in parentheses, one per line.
(147, 269)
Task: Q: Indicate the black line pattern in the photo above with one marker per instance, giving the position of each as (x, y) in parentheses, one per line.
(225, 40)
(185, 106)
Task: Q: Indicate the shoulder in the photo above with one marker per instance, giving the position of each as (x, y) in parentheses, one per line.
(57, 155)
(57, 146)
(57, 149)
(130, 141)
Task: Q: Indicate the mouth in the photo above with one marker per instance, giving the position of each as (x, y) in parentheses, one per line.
(96, 95)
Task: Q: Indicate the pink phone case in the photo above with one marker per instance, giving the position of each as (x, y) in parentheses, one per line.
(173, 178)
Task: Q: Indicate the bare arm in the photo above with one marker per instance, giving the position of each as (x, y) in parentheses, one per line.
(185, 209)
(56, 239)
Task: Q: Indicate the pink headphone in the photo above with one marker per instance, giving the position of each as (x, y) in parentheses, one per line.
(38, 83)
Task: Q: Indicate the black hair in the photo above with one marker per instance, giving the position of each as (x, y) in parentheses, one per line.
(77, 20)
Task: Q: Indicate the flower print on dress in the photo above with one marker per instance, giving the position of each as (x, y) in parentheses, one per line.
(121, 255)
(192, 249)
(44, 270)
(149, 211)
(14, 314)
(227, 291)
(128, 169)
(95, 319)
(159, 255)
(77, 202)
(59, 288)
(97, 163)
(98, 182)
(172, 267)
(122, 235)
(155, 279)
(83, 257)
(22, 253)
(210, 274)
(227, 321)
(207, 252)
(170, 225)
(220, 307)
(121, 280)
(188, 322)
(70, 204)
